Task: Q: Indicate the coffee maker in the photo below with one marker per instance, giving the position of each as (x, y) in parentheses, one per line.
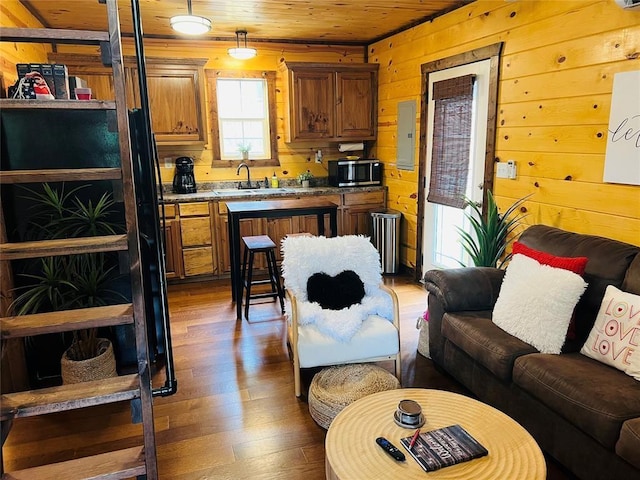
(183, 178)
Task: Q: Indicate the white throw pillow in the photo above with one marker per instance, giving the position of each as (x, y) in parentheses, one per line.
(536, 302)
(615, 336)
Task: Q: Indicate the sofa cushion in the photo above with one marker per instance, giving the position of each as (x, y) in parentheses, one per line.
(608, 264)
(376, 334)
(628, 446)
(594, 397)
(486, 343)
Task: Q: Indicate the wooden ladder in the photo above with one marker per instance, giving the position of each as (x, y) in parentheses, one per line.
(138, 461)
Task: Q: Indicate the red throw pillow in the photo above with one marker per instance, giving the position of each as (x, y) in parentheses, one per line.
(573, 264)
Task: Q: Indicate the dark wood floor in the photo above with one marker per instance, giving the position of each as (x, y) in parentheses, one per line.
(235, 415)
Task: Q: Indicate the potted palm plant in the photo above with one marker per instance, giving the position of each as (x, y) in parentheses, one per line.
(69, 282)
(487, 243)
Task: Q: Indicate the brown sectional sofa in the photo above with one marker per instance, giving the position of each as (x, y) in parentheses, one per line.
(582, 412)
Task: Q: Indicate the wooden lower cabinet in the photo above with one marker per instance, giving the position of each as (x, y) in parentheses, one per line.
(172, 249)
(200, 231)
(356, 212)
(172, 242)
(197, 239)
(278, 228)
(248, 227)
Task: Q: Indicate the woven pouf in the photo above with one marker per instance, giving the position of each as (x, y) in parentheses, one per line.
(333, 388)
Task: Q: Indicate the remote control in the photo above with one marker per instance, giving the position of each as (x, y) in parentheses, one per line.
(390, 448)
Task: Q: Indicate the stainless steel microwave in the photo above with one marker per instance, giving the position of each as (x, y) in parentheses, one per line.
(354, 173)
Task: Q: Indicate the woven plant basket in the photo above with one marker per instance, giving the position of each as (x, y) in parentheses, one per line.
(333, 388)
(423, 338)
(96, 368)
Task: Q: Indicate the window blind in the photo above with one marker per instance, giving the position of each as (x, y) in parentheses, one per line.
(451, 140)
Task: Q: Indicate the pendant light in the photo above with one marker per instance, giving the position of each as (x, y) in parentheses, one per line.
(242, 53)
(190, 24)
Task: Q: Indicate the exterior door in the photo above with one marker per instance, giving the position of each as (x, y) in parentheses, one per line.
(441, 246)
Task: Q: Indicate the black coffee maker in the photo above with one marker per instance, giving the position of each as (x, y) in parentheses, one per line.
(183, 178)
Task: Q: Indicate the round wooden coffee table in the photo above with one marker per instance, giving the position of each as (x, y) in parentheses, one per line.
(352, 453)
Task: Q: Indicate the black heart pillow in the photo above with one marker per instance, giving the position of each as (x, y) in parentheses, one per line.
(335, 293)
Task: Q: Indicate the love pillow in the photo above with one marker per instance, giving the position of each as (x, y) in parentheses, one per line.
(615, 336)
(335, 293)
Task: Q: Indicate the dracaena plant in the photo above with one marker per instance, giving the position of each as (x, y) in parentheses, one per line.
(68, 282)
(487, 242)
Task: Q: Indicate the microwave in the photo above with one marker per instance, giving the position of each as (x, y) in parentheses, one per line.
(354, 173)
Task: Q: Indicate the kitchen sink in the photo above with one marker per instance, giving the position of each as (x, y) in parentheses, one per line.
(252, 191)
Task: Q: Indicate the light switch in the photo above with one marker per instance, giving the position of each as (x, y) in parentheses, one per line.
(506, 170)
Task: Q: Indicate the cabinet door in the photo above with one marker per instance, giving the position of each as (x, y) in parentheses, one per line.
(248, 227)
(196, 234)
(176, 104)
(195, 231)
(173, 257)
(355, 109)
(357, 220)
(277, 229)
(312, 104)
(356, 214)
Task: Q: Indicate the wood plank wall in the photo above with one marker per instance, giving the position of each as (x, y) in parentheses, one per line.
(557, 70)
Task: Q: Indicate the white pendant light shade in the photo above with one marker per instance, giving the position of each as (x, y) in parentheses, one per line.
(190, 24)
(242, 52)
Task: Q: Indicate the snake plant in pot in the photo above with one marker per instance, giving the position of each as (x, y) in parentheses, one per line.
(69, 282)
(490, 233)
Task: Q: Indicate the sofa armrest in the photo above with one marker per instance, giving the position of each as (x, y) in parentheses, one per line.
(464, 289)
(458, 290)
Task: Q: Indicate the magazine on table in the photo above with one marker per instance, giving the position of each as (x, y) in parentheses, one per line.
(444, 447)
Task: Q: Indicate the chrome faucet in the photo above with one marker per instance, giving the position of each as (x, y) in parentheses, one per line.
(248, 174)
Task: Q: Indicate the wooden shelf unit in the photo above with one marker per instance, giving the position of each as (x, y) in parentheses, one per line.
(139, 461)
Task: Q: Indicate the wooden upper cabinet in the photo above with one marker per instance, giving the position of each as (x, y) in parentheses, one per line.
(176, 101)
(312, 104)
(175, 88)
(355, 104)
(331, 101)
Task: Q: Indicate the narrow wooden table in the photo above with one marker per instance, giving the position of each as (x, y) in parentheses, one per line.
(270, 209)
(352, 452)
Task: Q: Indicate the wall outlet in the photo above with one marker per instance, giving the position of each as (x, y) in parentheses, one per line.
(168, 162)
(319, 156)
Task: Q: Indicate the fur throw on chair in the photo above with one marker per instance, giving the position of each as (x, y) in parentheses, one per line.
(303, 257)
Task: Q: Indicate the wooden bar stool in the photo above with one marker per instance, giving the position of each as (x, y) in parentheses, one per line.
(252, 245)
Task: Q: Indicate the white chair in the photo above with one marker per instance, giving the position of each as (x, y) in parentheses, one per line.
(364, 332)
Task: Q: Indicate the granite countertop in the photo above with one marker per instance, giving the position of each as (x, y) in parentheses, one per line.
(205, 194)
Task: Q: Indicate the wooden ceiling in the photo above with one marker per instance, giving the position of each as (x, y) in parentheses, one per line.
(357, 22)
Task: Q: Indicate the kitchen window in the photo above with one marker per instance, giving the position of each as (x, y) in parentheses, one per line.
(242, 113)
